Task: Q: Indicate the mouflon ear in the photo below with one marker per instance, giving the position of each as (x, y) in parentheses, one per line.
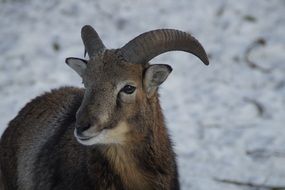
(77, 64)
(154, 76)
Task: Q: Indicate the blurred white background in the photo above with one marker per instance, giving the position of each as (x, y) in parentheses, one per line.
(227, 120)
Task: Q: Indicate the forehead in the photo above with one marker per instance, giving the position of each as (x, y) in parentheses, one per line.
(110, 67)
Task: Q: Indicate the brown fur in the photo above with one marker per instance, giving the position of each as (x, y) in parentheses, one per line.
(39, 151)
(1, 181)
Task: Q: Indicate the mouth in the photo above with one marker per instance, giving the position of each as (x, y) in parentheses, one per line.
(84, 138)
(97, 138)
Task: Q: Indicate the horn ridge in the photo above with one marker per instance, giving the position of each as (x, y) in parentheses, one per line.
(148, 45)
(92, 42)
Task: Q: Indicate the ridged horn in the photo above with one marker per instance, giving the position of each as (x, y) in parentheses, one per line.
(153, 43)
(92, 42)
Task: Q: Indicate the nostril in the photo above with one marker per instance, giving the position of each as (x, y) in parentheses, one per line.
(81, 128)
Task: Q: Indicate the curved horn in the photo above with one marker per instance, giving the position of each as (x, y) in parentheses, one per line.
(153, 43)
(92, 42)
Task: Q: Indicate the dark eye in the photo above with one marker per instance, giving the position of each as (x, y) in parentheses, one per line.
(128, 89)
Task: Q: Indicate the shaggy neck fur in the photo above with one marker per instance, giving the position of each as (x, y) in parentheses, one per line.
(147, 160)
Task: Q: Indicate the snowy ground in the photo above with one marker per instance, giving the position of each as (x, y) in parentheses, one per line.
(227, 120)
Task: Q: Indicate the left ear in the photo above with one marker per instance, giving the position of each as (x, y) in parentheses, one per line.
(154, 76)
(77, 64)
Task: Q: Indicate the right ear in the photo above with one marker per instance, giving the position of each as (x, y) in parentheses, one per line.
(154, 76)
(77, 64)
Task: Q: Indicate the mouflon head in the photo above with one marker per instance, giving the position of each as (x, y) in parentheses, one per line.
(120, 83)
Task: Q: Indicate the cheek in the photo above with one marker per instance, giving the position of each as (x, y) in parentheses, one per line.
(127, 98)
(140, 100)
(129, 105)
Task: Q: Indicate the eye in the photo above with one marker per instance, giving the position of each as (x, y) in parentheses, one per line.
(128, 89)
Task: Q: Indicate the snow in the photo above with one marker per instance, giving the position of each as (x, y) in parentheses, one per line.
(226, 120)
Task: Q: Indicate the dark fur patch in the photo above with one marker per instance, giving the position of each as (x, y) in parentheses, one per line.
(63, 163)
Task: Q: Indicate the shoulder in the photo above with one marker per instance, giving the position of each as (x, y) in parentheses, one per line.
(61, 95)
(56, 99)
(50, 106)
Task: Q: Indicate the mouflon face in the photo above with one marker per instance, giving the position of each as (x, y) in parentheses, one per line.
(116, 92)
